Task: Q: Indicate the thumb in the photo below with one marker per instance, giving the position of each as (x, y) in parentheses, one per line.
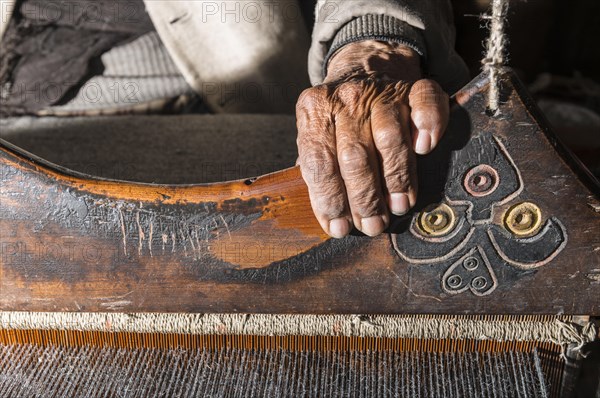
(430, 110)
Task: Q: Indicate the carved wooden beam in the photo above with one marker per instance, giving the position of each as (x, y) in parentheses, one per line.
(507, 223)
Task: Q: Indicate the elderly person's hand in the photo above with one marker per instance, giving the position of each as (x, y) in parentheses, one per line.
(358, 133)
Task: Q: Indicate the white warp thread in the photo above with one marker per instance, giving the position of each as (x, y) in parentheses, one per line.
(394, 326)
(495, 51)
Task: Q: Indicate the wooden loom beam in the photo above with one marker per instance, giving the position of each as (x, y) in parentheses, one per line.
(71, 242)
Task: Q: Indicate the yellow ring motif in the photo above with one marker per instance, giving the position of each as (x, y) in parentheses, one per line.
(436, 220)
(523, 219)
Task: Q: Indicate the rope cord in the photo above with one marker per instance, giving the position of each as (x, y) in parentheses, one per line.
(495, 51)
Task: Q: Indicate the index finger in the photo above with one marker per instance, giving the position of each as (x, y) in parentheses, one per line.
(318, 163)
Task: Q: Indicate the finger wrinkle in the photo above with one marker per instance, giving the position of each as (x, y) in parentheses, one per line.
(427, 92)
(363, 206)
(331, 206)
(398, 147)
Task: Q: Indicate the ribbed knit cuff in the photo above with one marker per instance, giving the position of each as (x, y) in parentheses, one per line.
(377, 27)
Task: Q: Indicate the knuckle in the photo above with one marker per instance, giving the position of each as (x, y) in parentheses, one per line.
(318, 168)
(395, 159)
(399, 173)
(330, 206)
(398, 181)
(396, 166)
(365, 202)
(388, 138)
(427, 92)
(427, 85)
(313, 116)
(349, 92)
(354, 158)
(314, 156)
(397, 93)
(311, 98)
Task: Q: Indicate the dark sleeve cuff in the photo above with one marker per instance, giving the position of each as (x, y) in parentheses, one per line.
(377, 27)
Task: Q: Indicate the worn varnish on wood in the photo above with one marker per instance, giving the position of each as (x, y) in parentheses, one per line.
(507, 222)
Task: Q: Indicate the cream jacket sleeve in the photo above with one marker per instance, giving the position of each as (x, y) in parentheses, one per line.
(242, 56)
(250, 56)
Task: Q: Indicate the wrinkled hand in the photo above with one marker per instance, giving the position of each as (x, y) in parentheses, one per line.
(358, 133)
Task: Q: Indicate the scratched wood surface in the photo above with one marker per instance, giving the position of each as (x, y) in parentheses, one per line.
(71, 242)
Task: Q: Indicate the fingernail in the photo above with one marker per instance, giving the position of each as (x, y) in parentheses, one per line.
(423, 144)
(399, 203)
(339, 227)
(373, 225)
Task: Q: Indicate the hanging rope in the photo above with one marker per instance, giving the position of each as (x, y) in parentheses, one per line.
(495, 51)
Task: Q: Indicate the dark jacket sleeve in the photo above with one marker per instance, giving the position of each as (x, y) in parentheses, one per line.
(424, 25)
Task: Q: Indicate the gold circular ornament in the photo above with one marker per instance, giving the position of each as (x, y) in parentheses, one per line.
(523, 219)
(436, 220)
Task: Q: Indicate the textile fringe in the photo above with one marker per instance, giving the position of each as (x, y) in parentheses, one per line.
(391, 326)
(495, 51)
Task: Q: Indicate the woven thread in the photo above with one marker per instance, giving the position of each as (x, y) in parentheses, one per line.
(34, 371)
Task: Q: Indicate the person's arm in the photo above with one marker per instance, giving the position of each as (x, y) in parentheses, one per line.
(426, 26)
(360, 126)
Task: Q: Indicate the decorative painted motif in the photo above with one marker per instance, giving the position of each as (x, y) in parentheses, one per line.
(460, 233)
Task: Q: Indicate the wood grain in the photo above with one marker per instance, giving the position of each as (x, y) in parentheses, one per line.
(72, 242)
